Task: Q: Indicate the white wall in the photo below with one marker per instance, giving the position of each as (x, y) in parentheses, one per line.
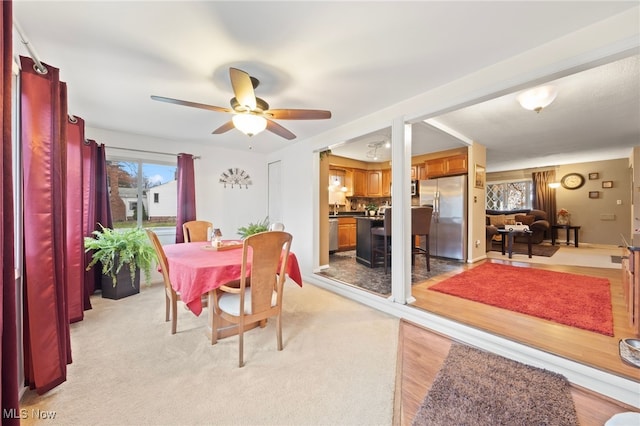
(227, 208)
(609, 39)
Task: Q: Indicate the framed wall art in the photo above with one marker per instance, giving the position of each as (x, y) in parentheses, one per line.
(480, 176)
(594, 194)
(607, 184)
(593, 176)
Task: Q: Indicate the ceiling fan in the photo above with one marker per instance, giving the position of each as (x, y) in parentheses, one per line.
(251, 115)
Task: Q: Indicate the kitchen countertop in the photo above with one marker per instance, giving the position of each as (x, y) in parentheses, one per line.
(346, 214)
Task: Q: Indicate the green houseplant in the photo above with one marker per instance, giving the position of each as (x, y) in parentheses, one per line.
(371, 208)
(119, 252)
(253, 228)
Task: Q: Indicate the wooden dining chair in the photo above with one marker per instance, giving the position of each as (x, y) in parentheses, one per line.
(247, 305)
(171, 297)
(196, 230)
(420, 227)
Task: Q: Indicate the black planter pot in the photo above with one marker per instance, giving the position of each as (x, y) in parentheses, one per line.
(124, 287)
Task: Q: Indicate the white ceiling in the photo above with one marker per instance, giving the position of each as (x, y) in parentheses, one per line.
(324, 55)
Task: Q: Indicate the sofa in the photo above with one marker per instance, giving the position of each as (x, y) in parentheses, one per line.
(535, 219)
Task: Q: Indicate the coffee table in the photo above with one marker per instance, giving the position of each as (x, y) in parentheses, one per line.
(508, 235)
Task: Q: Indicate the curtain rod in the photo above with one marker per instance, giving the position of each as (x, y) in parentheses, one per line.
(148, 152)
(39, 66)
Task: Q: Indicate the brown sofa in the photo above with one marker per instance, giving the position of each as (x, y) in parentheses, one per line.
(535, 219)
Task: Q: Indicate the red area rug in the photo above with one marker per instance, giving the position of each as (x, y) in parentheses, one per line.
(576, 300)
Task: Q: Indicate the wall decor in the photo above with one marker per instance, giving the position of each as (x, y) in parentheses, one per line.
(593, 176)
(594, 194)
(480, 176)
(235, 176)
(607, 184)
(572, 181)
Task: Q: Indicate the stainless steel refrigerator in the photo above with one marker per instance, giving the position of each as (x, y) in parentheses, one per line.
(448, 233)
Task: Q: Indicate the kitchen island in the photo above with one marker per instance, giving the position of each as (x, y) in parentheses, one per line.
(364, 253)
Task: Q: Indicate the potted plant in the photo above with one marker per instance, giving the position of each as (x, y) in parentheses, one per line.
(371, 209)
(253, 228)
(122, 254)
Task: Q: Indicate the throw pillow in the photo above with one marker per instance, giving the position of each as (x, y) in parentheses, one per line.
(525, 219)
(497, 220)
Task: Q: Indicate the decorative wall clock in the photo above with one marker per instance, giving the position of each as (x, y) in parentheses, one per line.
(235, 176)
(572, 181)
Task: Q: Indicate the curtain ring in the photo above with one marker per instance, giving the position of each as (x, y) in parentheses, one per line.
(40, 69)
(72, 119)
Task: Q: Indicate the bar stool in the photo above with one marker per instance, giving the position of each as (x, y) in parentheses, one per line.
(420, 227)
(383, 249)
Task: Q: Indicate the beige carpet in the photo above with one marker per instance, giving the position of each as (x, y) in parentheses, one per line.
(337, 367)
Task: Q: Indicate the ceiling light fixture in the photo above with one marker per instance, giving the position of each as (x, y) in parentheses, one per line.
(537, 98)
(249, 124)
(373, 149)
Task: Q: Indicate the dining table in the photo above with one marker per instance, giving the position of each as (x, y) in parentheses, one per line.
(197, 268)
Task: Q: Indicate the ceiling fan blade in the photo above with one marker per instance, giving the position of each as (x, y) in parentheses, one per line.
(243, 88)
(224, 128)
(298, 114)
(190, 104)
(274, 127)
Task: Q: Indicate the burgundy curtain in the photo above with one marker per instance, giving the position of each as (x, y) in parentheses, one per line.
(47, 343)
(186, 194)
(96, 208)
(8, 314)
(75, 229)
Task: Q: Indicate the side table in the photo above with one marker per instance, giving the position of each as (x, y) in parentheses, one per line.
(554, 232)
(508, 235)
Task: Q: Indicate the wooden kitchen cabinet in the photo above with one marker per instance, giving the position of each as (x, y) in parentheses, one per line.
(346, 233)
(386, 183)
(374, 183)
(446, 166)
(359, 183)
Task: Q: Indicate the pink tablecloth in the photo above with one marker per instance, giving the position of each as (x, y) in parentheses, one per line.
(194, 271)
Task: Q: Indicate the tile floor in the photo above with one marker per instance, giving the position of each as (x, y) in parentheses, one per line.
(343, 267)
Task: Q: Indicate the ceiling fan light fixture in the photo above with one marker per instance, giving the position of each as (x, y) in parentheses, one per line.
(538, 98)
(249, 124)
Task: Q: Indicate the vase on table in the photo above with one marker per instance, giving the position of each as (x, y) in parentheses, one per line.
(563, 220)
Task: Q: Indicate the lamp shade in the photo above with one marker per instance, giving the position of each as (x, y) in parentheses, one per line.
(249, 124)
(537, 98)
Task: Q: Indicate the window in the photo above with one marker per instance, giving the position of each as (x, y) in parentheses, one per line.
(509, 195)
(132, 201)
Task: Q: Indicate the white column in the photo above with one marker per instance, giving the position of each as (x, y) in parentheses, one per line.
(401, 219)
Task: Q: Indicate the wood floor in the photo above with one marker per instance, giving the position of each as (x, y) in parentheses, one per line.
(421, 353)
(586, 347)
